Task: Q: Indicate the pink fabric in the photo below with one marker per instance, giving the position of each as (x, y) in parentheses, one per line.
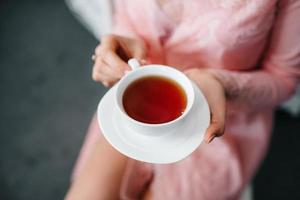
(232, 39)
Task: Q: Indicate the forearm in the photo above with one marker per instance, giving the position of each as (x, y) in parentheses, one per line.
(276, 78)
(102, 175)
(258, 89)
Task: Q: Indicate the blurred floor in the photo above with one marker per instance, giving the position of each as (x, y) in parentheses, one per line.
(47, 99)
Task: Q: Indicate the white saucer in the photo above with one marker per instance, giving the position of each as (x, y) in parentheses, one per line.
(167, 148)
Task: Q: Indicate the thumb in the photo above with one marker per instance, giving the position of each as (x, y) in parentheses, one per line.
(140, 51)
(215, 129)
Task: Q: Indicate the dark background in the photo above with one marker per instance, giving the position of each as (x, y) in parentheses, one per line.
(47, 100)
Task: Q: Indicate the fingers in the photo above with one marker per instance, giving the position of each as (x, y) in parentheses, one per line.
(215, 96)
(140, 51)
(107, 53)
(111, 58)
(104, 73)
(215, 129)
(108, 67)
(132, 48)
(108, 42)
(115, 63)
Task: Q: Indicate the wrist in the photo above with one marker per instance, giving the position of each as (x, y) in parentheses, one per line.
(228, 82)
(206, 79)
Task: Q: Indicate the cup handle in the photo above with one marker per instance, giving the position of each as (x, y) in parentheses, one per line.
(134, 63)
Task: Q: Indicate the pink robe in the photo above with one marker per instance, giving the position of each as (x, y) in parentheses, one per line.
(253, 47)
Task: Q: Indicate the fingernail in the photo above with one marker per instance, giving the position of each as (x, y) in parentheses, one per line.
(126, 72)
(105, 84)
(210, 139)
(143, 61)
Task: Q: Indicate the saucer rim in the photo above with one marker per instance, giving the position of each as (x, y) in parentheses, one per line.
(160, 159)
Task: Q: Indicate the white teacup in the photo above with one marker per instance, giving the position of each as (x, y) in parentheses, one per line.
(154, 70)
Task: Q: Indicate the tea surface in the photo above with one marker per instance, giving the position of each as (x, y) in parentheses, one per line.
(154, 100)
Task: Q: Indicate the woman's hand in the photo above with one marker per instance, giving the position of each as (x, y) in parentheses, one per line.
(111, 58)
(215, 96)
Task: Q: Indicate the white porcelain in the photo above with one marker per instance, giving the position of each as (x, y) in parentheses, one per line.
(134, 63)
(157, 70)
(154, 143)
